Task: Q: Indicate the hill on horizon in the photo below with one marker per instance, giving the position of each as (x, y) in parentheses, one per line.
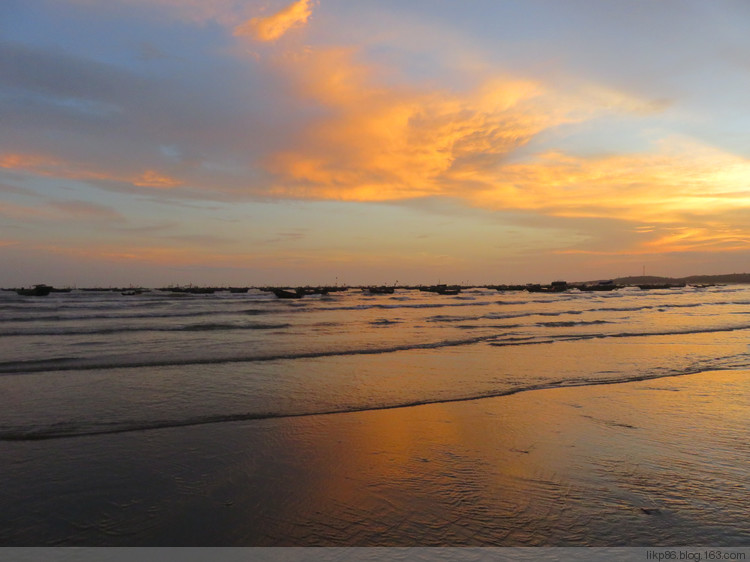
(650, 279)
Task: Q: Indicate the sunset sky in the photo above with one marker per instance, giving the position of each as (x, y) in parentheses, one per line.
(243, 142)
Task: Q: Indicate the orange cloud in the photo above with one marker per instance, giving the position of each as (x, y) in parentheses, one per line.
(680, 178)
(715, 237)
(44, 165)
(718, 238)
(389, 143)
(19, 161)
(152, 178)
(60, 210)
(273, 27)
(377, 143)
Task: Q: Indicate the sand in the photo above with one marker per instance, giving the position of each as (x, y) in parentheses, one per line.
(651, 463)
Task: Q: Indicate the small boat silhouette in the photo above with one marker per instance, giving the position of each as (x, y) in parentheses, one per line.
(37, 291)
(284, 294)
(380, 290)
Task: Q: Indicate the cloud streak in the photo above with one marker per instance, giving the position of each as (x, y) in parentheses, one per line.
(44, 165)
(62, 211)
(273, 27)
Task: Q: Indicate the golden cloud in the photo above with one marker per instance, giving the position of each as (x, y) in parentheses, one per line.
(44, 165)
(377, 143)
(60, 210)
(712, 237)
(679, 178)
(388, 143)
(716, 238)
(274, 26)
(380, 143)
(20, 161)
(152, 178)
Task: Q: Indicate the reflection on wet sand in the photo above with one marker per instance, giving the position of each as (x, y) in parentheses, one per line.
(643, 463)
(637, 463)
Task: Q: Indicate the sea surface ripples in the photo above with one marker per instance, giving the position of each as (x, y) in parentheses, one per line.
(84, 363)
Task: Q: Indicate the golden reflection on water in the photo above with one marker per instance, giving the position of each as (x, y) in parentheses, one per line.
(462, 472)
(523, 469)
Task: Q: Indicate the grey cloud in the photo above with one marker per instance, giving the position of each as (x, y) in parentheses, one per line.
(62, 76)
(218, 119)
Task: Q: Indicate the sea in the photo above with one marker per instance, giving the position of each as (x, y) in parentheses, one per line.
(99, 362)
(106, 365)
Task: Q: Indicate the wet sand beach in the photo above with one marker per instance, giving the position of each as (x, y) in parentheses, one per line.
(651, 463)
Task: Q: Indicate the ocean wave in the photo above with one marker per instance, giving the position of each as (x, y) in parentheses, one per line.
(445, 318)
(487, 326)
(576, 337)
(117, 311)
(680, 332)
(9, 368)
(425, 305)
(73, 430)
(647, 307)
(209, 327)
(572, 324)
(120, 316)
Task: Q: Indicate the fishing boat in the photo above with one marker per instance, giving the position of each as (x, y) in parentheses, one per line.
(131, 292)
(447, 291)
(442, 289)
(313, 290)
(554, 287)
(600, 286)
(284, 294)
(503, 288)
(36, 291)
(379, 290)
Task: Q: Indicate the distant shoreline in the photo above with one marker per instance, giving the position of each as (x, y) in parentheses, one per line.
(726, 279)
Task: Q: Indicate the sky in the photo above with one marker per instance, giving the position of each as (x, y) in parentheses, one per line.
(269, 142)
